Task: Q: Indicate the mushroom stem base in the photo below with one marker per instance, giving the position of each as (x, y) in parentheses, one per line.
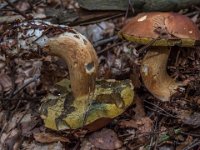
(154, 74)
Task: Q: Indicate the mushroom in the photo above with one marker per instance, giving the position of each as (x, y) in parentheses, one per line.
(87, 103)
(91, 104)
(163, 30)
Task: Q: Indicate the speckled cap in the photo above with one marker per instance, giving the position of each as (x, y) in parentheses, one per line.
(167, 28)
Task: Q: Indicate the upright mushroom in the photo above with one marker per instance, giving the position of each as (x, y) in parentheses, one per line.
(164, 30)
(88, 103)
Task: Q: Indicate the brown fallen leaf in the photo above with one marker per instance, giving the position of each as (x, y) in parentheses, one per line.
(128, 124)
(5, 83)
(192, 119)
(144, 124)
(105, 139)
(49, 138)
(28, 127)
(188, 141)
(139, 109)
(38, 146)
(86, 145)
(26, 71)
(11, 140)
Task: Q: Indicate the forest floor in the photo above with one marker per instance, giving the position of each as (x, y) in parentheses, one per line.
(147, 124)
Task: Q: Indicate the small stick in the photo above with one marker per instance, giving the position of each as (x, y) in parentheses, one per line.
(130, 6)
(143, 49)
(161, 109)
(104, 41)
(26, 84)
(109, 47)
(192, 145)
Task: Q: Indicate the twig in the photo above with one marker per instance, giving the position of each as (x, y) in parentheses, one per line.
(177, 58)
(26, 84)
(192, 145)
(191, 134)
(104, 41)
(159, 111)
(108, 48)
(167, 113)
(130, 6)
(16, 9)
(154, 138)
(141, 50)
(62, 4)
(97, 21)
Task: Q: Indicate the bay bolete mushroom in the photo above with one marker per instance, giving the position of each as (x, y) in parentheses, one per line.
(87, 103)
(91, 104)
(164, 30)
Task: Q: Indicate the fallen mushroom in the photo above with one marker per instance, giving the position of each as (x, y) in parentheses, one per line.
(164, 30)
(88, 103)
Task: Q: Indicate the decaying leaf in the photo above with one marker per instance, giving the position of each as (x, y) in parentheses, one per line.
(49, 138)
(105, 139)
(5, 83)
(139, 109)
(144, 125)
(27, 70)
(38, 146)
(192, 120)
(188, 140)
(11, 140)
(86, 145)
(128, 124)
(97, 32)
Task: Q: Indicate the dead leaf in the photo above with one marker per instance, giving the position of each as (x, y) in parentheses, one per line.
(49, 138)
(25, 72)
(185, 143)
(97, 32)
(86, 145)
(144, 124)
(3, 118)
(139, 109)
(38, 146)
(5, 83)
(11, 140)
(29, 126)
(105, 139)
(128, 124)
(192, 120)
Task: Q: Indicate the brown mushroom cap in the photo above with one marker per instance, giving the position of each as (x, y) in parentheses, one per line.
(170, 29)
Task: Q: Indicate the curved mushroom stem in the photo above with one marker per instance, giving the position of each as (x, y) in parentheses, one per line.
(81, 60)
(154, 74)
(91, 107)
